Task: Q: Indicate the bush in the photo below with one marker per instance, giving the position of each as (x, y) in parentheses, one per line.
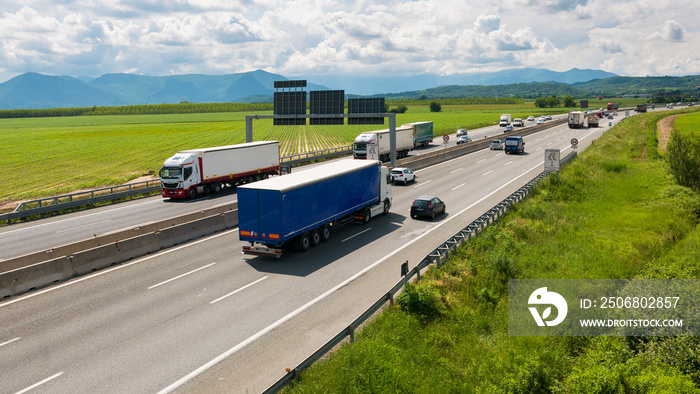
(421, 299)
(435, 107)
(683, 155)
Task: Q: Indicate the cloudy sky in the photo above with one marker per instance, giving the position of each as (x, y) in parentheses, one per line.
(326, 37)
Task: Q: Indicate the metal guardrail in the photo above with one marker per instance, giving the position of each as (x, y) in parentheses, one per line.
(79, 199)
(316, 155)
(438, 256)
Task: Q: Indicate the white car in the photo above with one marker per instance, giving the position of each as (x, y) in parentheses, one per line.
(496, 145)
(540, 121)
(461, 132)
(401, 174)
(548, 117)
(531, 118)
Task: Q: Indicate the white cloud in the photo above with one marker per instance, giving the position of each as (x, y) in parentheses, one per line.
(388, 37)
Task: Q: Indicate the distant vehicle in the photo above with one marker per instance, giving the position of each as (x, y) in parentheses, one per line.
(496, 145)
(380, 138)
(464, 139)
(540, 121)
(642, 108)
(610, 106)
(403, 175)
(461, 132)
(530, 118)
(610, 116)
(669, 106)
(422, 133)
(505, 120)
(679, 103)
(518, 122)
(427, 206)
(508, 128)
(548, 117)
(593, 121)
(514, 145)
(576, 119)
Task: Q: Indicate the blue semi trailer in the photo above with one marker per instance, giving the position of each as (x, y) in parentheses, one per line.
(300, 210)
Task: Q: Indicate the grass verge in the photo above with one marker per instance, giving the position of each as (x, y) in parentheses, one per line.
(615, 212)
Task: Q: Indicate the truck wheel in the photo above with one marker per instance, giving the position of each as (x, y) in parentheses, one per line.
(303, 242)
(387, 206)
(215, 187)
(325, 233)
(316, 237)
(193, 192)
(366, 214)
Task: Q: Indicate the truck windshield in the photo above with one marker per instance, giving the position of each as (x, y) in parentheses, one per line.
(360, 146)
(170, 173)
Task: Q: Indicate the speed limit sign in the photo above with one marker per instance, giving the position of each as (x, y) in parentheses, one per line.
(574, 141)
(445, 137)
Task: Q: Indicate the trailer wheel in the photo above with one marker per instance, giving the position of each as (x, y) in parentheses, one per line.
(316, 237)
(325, 232)
(215, 187)
(303, 242)
(258, 177)
(366, 214)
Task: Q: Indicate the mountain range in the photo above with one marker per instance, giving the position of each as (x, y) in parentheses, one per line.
(37, 91)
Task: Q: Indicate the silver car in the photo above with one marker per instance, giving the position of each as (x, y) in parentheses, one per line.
(496, 145)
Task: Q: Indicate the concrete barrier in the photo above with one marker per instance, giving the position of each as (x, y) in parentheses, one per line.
(189, 231)
(114, 253)
(35, 276)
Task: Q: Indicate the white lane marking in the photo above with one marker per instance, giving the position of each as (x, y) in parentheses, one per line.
(106, 271)
(457, 170)
(236, 291)
(423, 183)
(455, 188)
(32, 387)
(353, 236)
(481, 161)
(306, 306)
(486, 173)
(540, 148)
(181, 276)
(83, 226)
(509, 162)
(10, 341)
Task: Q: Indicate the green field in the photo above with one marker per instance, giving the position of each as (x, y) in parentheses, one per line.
(57, 155)
(614, 212)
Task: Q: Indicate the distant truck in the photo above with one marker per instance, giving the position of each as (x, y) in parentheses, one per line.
(301, 210)
(577, 119)
(404, 143)
(514, 145)
(611, 106)
(505, 120)
(593, 120)
(422, 133)
(641, 108)
(192, 172)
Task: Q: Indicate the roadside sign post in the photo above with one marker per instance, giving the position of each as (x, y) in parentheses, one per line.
(574, 143)
(552, 160)
(372, 151)
(445, 139)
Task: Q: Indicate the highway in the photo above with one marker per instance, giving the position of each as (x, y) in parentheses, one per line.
(28, 237)
(202, 317)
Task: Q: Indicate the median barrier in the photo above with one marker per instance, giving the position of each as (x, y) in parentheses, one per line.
(35, 276)
(115, 252)
(231, 219)
(191, 230)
